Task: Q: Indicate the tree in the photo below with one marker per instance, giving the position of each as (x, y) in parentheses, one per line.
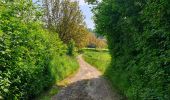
(65, 17)
(96, 42)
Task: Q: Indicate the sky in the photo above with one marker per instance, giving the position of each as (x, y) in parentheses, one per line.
(85, 8)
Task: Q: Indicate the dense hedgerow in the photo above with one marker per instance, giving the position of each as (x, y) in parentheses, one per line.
(25, 56)
(27, 52)
(139, 41)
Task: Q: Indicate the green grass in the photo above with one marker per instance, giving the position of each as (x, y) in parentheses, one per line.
(64, 66)
(96, 49)
(101, 59)
(61, 67)
(48, 94)
(98, 58)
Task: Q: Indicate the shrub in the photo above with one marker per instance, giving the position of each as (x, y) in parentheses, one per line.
(25, 52)
(138, 37)
(71, 48)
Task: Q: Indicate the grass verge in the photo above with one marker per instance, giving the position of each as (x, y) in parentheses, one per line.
(98, 58)
(101, 59)
(61, 67)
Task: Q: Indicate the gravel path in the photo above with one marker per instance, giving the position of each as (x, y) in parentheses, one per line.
(87, 84)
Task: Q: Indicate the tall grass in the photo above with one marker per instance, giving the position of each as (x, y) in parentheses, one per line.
(98, 58)
(61, 67)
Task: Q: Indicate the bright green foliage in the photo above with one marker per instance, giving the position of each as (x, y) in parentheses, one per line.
(139, 41)
(27, 51)
(25, 57)
(61, 67)
(66, 66)
(66, 19)
(71, 48)
(98, 58)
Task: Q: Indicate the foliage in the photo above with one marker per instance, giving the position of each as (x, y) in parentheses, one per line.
(138, 37)
(98, 58)
(65, 18)
(24, 55)
(71, 48)
(30, 56)
(96, 42)
(66, 66)
(48, 94)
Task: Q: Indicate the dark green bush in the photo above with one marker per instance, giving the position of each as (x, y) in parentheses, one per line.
(71, 48)
(139, 41)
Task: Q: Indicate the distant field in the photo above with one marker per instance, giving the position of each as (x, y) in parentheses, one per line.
(99, 58)
(95, 49)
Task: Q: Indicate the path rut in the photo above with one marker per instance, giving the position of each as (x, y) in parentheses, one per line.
(87, 84)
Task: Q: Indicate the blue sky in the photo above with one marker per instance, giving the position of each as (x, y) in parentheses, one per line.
(87, 13)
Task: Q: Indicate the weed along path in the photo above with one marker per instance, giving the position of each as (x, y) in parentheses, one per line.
(87, 84)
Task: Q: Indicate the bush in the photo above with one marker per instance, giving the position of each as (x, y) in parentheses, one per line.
(25, 52)
(138, 37)
(24, 60)
(71, 48)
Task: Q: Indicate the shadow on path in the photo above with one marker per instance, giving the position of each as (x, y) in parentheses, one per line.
(87, 84)
(92, 89)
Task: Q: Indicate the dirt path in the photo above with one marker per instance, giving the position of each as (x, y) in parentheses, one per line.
(87, 84)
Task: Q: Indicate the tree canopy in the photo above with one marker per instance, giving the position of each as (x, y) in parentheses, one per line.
(65, 17)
